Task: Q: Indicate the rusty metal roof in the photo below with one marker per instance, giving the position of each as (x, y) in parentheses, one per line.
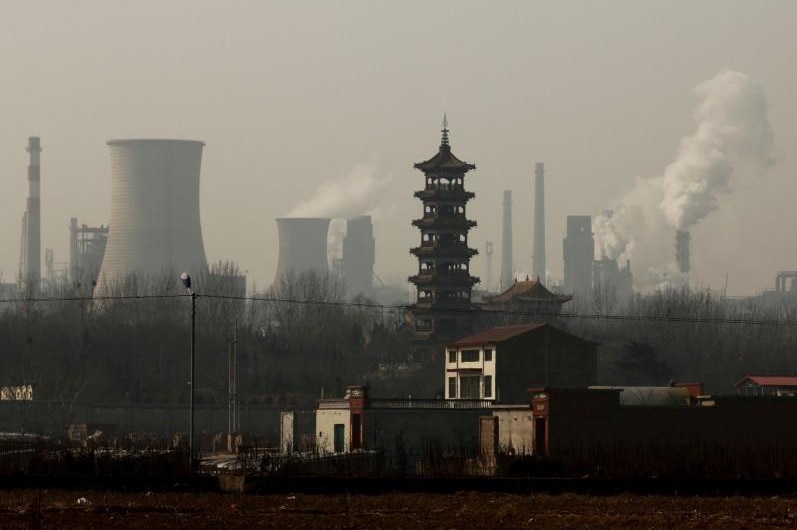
(768, 380)
(499, 334)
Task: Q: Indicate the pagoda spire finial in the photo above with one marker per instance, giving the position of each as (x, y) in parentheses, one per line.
(444, 141)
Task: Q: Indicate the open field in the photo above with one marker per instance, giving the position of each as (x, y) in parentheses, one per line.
(103, 509)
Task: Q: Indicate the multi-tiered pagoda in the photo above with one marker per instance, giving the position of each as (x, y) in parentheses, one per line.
(443, 310)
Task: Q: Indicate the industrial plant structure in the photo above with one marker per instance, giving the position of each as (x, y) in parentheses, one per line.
(507, 267)
(443, 310)
(155, 222)
(358, 255)
(682, 248)
(303, 245)
(29, 280)
(538, 258)
(579, 253)
(86, 250)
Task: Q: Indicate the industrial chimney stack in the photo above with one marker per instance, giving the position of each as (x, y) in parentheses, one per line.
(538, 258)
(682, 244)
(507, 277)
(30, 267)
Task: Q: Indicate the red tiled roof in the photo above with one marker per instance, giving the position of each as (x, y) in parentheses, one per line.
(769, 380)
(494, 335)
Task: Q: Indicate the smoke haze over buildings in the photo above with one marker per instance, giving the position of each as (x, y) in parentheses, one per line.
(308, 108)
(732, 136)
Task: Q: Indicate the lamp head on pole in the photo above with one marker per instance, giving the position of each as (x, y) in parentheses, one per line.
(186, 279)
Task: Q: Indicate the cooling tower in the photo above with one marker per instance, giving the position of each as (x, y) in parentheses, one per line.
(155, 226)
(303, 245)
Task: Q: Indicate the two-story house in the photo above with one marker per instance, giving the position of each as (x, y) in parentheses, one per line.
(502, 363)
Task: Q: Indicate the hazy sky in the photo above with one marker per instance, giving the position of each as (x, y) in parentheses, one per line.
(289, 95)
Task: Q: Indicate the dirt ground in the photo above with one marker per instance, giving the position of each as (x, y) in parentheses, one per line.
(95, 509)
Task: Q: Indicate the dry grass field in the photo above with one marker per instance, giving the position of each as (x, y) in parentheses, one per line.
(102, 509)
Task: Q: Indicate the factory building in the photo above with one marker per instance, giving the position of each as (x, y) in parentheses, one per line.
(86, 250)
(303, 246)
(155, 222)
(358, 255)
(443, 310)
(608, 278)
(579, 253)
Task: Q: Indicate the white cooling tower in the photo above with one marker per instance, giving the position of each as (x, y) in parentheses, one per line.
(303, 245)
(155, 226)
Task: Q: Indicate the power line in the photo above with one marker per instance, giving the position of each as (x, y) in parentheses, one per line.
(610, 317)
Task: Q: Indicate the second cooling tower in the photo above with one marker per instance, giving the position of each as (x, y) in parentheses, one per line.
(155, 224)
(303, 245)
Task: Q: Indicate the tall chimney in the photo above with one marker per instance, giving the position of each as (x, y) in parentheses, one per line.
(538, 258)
(507, 276)
(31, 269)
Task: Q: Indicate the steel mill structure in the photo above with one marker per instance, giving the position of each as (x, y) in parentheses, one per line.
(303, 245)
(443, 310)
(155, 224)
(682, 250)
(579, 253)
(30, 256)
(358, 255)
(86, 250)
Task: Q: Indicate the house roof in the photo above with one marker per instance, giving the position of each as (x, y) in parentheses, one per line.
(768, 380)
(527, 290)
(498, 334)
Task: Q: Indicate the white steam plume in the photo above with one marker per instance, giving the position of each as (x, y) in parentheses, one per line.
(347, 196)
(732, 132)
(732, 128)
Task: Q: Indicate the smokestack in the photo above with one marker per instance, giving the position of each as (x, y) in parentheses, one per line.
(155, 224)
(682, 240)
(303, 245)
(358, 255)
(538, 259)
(488, 251)
(507, 276)
(31, 225)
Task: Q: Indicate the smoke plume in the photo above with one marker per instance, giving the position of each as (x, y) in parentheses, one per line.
(732, 133)
(732, 128)
(348, 196)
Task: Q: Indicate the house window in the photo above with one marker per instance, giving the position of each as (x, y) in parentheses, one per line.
(452, 387)
(469, 387)
(488, 354)
(470, 356)
(488, 386)
(452, 356)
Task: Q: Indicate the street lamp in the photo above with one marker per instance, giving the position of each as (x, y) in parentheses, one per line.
(185, 278)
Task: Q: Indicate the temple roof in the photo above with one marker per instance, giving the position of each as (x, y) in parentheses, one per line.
(444, 159)
(527, 290)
